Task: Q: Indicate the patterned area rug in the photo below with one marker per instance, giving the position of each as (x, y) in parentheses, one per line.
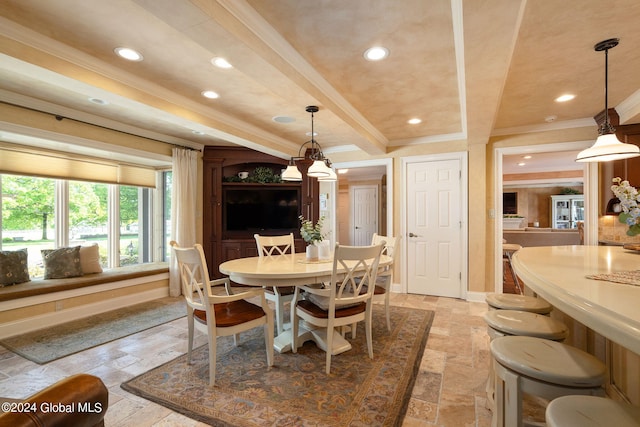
(45, 345)
(296, 391)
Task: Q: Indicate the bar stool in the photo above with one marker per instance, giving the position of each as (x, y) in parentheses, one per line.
(524, 323)
(543, 368)
(518, 302)
(507, 251)
(591, 411)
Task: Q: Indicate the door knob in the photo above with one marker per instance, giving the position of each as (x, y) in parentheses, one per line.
(413, 235)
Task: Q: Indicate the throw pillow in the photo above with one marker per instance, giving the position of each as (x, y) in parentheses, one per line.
(90, 259)
(14, 267)
(62, 263)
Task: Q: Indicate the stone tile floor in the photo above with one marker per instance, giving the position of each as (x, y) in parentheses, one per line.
(449, 390)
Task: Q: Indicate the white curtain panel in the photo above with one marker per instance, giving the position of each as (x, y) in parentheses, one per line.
(183, 207)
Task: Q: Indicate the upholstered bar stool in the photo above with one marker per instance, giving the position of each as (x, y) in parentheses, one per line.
(518, 302)
(591, 411)
(539, 367)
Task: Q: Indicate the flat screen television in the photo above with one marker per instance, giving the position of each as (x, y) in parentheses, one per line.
(510, 203)
(261, 209)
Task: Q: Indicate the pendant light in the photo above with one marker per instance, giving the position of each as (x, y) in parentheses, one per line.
(319, 169)
(607, 147)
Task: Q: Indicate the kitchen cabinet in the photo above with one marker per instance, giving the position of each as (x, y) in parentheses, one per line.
(567, 210)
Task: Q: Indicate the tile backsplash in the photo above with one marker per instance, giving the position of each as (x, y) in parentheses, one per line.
(612, 230)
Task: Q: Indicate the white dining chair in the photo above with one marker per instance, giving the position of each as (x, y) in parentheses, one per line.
(279, 295)
(218, 315)
(385, 274)
(342, 301)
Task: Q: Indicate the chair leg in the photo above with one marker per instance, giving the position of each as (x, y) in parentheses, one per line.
(190, 338)
(268, 338)
(386, 310)
(329, 348)
(294, 329)
(212, 359)
(279, 306)
(368, 320)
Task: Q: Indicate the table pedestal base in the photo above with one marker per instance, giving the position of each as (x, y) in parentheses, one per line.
(282, 343)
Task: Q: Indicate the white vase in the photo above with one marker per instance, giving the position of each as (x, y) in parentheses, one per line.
(324, 249)
(312, 252)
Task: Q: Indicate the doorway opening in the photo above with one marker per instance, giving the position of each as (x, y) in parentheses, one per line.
(589, 183)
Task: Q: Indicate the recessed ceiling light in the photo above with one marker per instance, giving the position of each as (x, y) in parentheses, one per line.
(98, 101)
(342, 171)
(376, 53)
(283, 119)
(210, 94)
(526, 157)
(414, 121)
(521, 164)
(128, 53)
(314, 134)
(566, 97)
(221, 63)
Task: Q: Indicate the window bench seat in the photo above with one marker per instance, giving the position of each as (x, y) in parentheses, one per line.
(42, 303)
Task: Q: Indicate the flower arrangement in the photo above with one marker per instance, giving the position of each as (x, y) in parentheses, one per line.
(629, 200)
(311, 233)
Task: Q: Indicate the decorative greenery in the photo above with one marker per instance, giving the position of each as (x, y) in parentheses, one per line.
(311, 233)
(261, 175)
(629, 200)
(567, 190)
(511, 216)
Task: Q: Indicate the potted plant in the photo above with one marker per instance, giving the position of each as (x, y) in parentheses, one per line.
(312, 234)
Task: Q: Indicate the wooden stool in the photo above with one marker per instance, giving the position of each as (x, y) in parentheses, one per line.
(518, 302)
(591, 411)
(507, 251)
(524, 323)
(539, 367)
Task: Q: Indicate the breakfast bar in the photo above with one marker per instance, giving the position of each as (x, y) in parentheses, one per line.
(559, 274)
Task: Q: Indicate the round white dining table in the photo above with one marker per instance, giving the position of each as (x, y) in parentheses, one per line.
(289, 270)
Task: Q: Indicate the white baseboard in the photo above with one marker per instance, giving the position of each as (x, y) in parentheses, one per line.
(55, 318)
(476, 296)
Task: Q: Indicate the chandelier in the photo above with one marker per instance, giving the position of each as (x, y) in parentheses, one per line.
(321, 167)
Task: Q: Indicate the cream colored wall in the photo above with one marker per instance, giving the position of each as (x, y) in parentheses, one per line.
(480, 163)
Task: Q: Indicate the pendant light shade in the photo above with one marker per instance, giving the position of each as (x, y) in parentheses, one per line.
(291, 173)
(330, 178)
(607, 146)
(319, 168)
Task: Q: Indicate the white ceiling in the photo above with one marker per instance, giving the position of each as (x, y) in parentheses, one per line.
(468, 69)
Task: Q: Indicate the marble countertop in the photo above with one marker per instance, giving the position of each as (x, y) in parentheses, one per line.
(558, 274)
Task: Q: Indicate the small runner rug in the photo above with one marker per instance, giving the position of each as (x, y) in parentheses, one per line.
(44, 345)
(296, 391)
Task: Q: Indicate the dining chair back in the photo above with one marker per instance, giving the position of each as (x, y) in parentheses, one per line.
(218, 314)
(279, 295)
(343, 301)
(382, 290)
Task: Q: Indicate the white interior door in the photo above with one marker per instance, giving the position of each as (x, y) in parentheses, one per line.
(364, 205)
(434, 228)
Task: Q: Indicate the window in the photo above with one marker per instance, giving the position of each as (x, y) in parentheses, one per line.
(167, 184)
(28, 217)
(43, 213)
